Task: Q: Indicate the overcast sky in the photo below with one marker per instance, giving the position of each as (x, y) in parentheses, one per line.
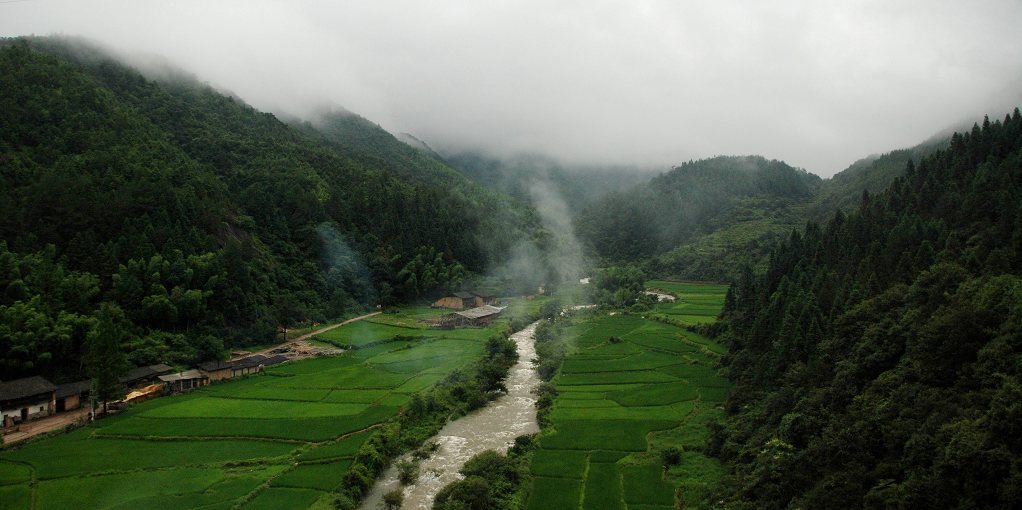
(817, 84)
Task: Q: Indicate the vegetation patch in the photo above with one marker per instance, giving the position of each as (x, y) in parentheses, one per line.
(622, 435)
(324, 476)
(645, 485)
(276, 498)
(603, 487)
(559, 463)
(554, 493)
(656, 394)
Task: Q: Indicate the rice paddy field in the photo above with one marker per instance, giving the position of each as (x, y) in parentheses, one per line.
(280, 439)
(620, 405)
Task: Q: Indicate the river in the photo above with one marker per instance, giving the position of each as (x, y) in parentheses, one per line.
(493, 427)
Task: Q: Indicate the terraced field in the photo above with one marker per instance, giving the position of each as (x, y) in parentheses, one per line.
(620, 405)
(281, 439)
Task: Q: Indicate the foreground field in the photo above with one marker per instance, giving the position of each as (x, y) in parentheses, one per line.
(281, 439)
(620, 405)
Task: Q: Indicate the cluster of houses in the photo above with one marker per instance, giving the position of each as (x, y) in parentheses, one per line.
(474, 309)
(34, 397)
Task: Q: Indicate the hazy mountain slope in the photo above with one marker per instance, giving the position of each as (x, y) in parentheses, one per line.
(368, 143)
(200, 217)
(693, 200)
(873, 174)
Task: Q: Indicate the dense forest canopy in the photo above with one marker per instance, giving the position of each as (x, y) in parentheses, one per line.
(691, 201)
(877, 361)
(205, 221)
(706, 219)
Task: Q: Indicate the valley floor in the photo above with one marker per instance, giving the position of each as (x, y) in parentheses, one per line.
(281, 439)
(622, 404)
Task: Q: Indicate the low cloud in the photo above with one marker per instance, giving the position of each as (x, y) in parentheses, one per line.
(658, 82)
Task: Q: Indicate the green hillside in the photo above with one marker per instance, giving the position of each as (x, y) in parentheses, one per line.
(876, 360)
(707, 219)
(202, 220)
(696, 199)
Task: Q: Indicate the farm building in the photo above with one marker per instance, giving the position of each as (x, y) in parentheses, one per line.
(250, 365)
(484, 298)
(144, 376)
(70, 396)
(217, 370)
(479, 316)
(456, 301)
(184, 381)
(26, 399)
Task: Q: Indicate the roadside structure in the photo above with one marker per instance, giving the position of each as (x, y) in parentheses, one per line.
(26, 399)
(144, 376)
(70, 396)
(250, 365)
(184, 381)
(479, 316)
(457, 301)
(217, 370)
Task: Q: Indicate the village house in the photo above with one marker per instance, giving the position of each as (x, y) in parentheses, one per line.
(250, 365)
(70, 396)
(144, 376)
(484, 298)
(26, 399)
(456, 301)
(479, 316)
(217, 370)
(184, 381)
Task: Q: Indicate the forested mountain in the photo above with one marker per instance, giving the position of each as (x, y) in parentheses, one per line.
(877, 362)
(749, 194)
(202, 219)
(873, 174)
(707, 218)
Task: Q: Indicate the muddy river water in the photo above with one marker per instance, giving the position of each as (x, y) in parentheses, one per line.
(494, 427)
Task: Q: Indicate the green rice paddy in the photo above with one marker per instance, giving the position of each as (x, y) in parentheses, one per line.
(620, 405)
(280, 439)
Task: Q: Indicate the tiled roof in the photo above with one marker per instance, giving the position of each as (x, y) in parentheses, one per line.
(21, 388)
(211, 366)
(74, 388)
(480, 312)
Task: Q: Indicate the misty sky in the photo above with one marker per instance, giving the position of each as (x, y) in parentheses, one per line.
(646, 82)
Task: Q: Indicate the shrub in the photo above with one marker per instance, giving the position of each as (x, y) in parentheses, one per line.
(408, 472)
(393, 499)
(671, 456)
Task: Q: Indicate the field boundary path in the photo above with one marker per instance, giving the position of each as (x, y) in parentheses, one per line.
(302, 341)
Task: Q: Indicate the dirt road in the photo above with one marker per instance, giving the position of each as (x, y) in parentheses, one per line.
(44, 425)
(300, 344)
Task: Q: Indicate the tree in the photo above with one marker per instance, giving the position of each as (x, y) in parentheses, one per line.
(105, 361)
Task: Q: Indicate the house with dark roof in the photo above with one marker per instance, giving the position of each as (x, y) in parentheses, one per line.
(184, 381)
(217, 370)
(478, 316)
(484, 298)
(26, 399)
(248, 365)
(456, 301)
(69, 396)
(144, 376)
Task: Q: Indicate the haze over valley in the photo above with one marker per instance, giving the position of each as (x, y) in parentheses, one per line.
(513, 255)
